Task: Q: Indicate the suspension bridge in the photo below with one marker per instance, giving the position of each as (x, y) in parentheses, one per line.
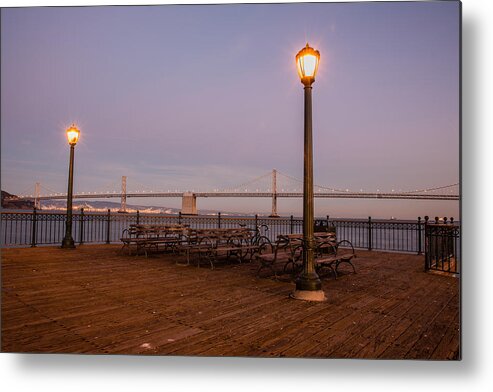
(248, 189)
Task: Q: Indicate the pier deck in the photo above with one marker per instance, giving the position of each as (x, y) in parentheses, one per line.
(94, 300)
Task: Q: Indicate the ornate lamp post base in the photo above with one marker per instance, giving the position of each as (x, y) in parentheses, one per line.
(309, 288)
(308, 295)
(68, 243)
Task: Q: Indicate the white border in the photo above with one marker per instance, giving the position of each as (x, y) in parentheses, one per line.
(127, 373)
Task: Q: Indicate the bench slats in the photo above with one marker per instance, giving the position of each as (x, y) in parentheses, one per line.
(288, 250)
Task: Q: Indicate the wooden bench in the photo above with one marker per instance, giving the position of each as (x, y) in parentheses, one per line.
(133, 236)
(205, 244)
(151, 237)
(328, 253)
(283, 251)
(212, 244)
(225, 243)
(339, 252)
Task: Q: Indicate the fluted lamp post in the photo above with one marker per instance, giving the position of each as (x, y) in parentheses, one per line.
(308, 284)
(73, 134)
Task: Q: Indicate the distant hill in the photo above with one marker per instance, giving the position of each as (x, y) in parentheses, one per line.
(103, 206)
(10, 201)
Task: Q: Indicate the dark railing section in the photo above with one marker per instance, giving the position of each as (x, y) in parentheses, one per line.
(19, 228)
(32, 228)
(398, 236)
(81, 227)
(442, 246)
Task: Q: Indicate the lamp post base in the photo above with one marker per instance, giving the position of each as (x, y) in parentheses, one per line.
(309, 295)
(309, 282)
(309, 288)
(68, 243)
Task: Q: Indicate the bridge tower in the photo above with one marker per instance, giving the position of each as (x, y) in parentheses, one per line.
(189, 204)
(123, 206)
(274, 213)
(37, 192)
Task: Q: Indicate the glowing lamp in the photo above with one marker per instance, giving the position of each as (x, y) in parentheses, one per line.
(308, 284)
(307, 61)
(73, 135)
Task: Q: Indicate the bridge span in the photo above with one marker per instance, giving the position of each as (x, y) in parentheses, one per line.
(189, 199)
(328, 195)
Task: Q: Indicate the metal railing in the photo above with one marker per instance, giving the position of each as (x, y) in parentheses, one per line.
(33, 228)
(398, 236)
(442, 247)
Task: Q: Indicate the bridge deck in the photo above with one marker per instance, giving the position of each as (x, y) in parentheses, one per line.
(328, 195)
(93, 300)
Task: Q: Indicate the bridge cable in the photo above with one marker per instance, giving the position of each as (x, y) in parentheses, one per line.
(345, 191)
(23, 193)
(48, 189)
(432, 189)
(315, 185)
(248, 182)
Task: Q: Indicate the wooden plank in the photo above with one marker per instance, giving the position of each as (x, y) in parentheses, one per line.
(444, 326)
(422, 318)
(95, 300)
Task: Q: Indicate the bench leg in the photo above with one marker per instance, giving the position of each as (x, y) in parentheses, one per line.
(209, 255)
(121, 249)
(284, 270)
(262, 265)
(294, 269)
(327, 265)
(333, 270)
(346, 261)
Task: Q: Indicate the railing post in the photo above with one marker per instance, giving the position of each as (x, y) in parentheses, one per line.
(419, 236)
(369, 234)
(218, 220)
(256, 221)
(291, 224)
(179, 217)
(108, 226)
(427, 246)
(138, 217)
(34, 228)
(81, 227)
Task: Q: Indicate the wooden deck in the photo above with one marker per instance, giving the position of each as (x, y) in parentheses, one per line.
(94, 300)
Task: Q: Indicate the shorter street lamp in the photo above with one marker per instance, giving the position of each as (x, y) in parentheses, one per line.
(73, 134)
(308, 285)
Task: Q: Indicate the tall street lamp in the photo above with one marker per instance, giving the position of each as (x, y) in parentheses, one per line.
(308, 285)
(72, 137)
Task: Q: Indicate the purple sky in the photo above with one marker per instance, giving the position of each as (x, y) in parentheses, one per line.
(205, 97)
